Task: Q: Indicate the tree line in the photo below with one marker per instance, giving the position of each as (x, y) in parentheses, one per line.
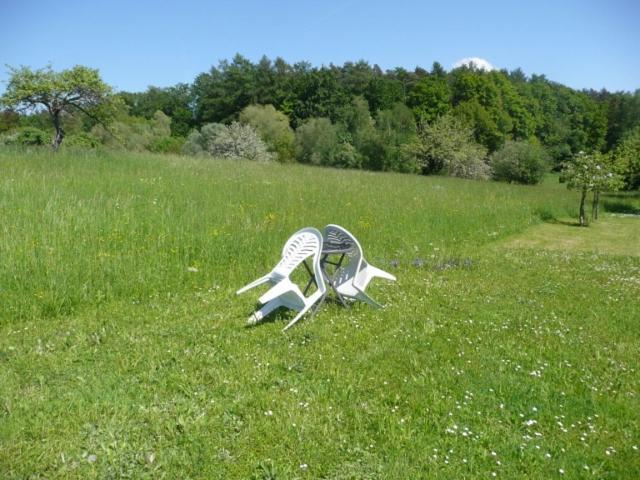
(466, 122)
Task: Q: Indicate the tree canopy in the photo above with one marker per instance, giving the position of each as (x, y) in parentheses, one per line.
(352, 115)
(79, 89)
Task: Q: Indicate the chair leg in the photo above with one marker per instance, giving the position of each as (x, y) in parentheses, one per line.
(253, 284)
(297, 317)
(266, 309)
(367, 299)
(376, 272)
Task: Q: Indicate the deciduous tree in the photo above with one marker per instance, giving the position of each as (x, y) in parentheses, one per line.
(76, 90)
(447, 146)
(590, 173)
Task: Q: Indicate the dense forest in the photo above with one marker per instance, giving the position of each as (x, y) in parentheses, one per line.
(358, 116)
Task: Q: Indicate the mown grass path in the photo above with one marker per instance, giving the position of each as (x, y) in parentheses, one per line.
(612, 234)
(487, 361)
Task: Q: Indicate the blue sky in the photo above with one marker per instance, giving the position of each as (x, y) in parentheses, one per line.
(134, 44)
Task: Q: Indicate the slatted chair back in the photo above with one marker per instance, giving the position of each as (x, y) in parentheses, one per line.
(300, 246)
(339, 238)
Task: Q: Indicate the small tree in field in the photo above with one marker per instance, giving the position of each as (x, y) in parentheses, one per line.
(79, 89)
(590, 173)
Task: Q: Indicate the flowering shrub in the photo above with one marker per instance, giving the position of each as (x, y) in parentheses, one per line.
(233, 141)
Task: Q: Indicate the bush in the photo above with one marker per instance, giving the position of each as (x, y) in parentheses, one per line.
(317, 142)
(194, 144)
(81, 140)
(28, 136)
(237, 141)
(347, 157)
(627, 158)
(447, 146)
(520, 162)
(134, 133)
(233, 141)
(273, 127)
(167, 145)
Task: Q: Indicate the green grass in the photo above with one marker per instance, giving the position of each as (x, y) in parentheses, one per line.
(117, 361)
(613, 235)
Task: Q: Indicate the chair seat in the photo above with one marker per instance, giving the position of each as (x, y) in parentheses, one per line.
(301, 245)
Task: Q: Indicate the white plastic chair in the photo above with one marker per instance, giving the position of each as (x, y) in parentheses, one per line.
(284, 293)
(352, 280)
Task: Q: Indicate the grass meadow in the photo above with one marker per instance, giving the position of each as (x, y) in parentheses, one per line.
(507, 348)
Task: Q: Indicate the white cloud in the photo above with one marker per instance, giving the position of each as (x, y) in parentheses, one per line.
(479, 63)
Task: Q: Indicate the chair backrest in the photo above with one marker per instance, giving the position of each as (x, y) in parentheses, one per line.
(301, 245)
(339, 237)
(336, 237)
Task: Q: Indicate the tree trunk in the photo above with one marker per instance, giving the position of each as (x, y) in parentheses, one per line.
(596, 204)
(57, 140)
(583, 216)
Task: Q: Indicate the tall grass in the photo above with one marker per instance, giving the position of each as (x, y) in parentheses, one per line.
(81, 229)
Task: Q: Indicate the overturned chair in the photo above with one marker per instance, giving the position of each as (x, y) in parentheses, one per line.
(301, 245)
(352, 280)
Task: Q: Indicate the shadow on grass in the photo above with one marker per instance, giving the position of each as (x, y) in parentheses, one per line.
(547, 217)
(285, 315)
(567, 223)
(632, 194)
(620, 207)
(280, 314)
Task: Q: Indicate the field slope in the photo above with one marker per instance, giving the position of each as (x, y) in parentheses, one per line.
(123, 351)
